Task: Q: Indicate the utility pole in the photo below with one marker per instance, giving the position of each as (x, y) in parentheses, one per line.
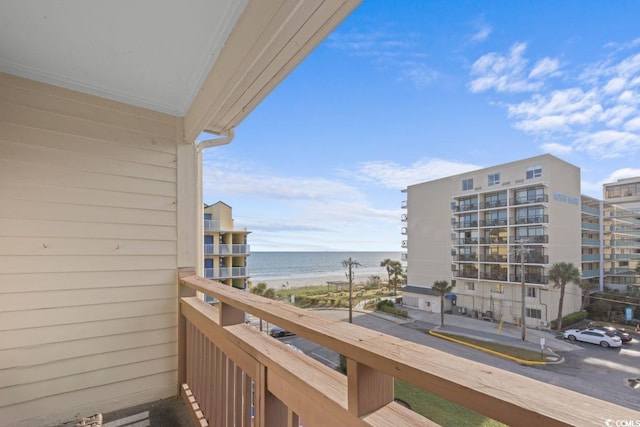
(349, 263)
(523, 252)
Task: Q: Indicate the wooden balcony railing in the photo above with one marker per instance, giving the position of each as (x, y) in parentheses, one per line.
(233, 375)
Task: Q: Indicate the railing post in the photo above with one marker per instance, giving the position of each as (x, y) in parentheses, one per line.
(183, 291)
(368, 389)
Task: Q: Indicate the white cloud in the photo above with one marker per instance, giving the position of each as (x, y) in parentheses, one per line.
(397, 52)
(615, 85)
(545, 67)
(622, 174)
(240, 183)
(597, 113)
(419, 74)
(608, 143)
(507, 73)
(557, 149)
(633, 125)
(296, 213)
(393, 175)
(482, 33)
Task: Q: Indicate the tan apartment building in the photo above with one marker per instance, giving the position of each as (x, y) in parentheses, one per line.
(225, 247)
(473, 227)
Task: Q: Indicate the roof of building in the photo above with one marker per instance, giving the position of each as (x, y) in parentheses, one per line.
(420, 290)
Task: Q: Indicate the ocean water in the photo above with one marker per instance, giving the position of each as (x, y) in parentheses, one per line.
(265, 266)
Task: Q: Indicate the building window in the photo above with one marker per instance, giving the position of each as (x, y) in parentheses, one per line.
(534, 172)
(494, 179)
(532, 293)
(469, 286)
(497, 288)
(467, 184)
(533, 313)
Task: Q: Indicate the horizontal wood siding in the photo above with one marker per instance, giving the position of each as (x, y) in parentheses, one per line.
(88, 254)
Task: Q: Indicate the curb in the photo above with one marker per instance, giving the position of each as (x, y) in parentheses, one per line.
(496, 353)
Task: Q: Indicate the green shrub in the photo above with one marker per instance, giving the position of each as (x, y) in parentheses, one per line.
(570, 319)
(599, 310)
(384, 303)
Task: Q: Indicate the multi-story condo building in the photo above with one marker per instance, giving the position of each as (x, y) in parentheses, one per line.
(621, 218)
(592, 229)
(475, 228)
(225, 247)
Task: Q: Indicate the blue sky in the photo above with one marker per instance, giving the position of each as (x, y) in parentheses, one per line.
(406, 92)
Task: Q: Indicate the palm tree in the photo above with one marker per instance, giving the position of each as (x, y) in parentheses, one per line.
(562, 273)
(396, 273)
(443, 287)
(388, 264)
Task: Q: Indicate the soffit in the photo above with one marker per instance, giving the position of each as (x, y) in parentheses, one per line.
(149, 53)
(209, 61)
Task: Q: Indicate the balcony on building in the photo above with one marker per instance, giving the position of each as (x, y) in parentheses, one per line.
(465, 224)
(494, 275)
(593, 226)
(586, 241)
(222, 273)
(226, 249)
(538, 199)
(532, 240)
(465, 241)
(590, 257)
(590, 210)
(530, 278)
(501, 222)
(492, 257)
(586, 274)
(211, 225)
(527, 220)
(493, 204)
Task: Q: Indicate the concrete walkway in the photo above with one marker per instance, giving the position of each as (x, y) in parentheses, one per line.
(507, 334)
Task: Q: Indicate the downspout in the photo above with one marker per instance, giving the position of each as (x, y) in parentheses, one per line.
(546, 308)
(224, 139)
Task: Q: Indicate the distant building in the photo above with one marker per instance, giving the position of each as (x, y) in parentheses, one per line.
(225, 247)
(471, 228)
(621, 223)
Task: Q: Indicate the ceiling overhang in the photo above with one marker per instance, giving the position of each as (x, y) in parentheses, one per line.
(209, 61)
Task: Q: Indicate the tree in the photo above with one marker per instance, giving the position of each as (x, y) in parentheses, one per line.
(388, 264)
(396, 273)
(587, 288)
(443, 287)
(259, 289)
(560, 274)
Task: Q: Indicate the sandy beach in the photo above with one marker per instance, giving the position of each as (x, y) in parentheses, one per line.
(306, 281)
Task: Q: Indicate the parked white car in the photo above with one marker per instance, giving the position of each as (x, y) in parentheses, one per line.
(602, 338)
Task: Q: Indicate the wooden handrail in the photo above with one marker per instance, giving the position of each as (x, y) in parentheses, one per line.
(504, 396)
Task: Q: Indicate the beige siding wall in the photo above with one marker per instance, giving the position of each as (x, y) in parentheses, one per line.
(88, 254)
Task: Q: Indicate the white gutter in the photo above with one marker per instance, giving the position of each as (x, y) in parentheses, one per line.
(224, 139)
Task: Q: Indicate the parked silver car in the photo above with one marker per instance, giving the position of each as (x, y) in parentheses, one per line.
(602, 338)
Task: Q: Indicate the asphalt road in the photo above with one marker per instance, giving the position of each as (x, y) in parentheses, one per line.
(603, 373)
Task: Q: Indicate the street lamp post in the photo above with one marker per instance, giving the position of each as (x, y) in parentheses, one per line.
(522, 251)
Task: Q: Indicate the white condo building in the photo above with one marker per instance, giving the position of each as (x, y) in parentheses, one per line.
(469, 228)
